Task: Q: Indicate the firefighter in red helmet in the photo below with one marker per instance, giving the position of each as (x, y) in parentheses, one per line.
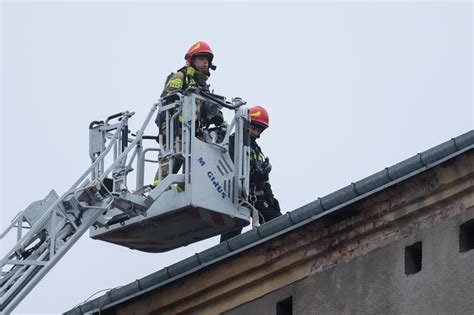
(194, 74)
(261, 194)
(196, 71)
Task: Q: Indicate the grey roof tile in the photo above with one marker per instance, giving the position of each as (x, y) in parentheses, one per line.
(464, 140)
(183, 266)
(405, 167)
(214, 252)
(340, 196)
(372, 182)
(274, 226)
(438, 152)
(243, 239)
(150, 280)
(122, 292)
(305, 212)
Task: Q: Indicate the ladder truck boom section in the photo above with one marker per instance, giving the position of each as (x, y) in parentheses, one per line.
(207, 197)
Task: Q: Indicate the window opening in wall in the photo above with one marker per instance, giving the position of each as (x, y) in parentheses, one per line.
(285, 307)
(466, 236)
(413, 257)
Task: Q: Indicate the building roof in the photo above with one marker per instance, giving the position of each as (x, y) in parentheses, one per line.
(332, 204)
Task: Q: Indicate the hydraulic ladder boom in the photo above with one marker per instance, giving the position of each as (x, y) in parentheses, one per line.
(213, 198)
(55, 223)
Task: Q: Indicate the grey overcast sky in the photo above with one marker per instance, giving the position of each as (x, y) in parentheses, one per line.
(351, 88)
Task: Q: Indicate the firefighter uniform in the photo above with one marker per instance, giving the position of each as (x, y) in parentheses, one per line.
(261, 194)
(260, 188)
(187, 76)
(184, 78)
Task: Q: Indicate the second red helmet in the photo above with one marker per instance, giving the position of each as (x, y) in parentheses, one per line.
(199, 48)
(259, 116)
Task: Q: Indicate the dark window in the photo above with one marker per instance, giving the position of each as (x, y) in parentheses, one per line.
(285, 307)
(466, 236)
(413, 255)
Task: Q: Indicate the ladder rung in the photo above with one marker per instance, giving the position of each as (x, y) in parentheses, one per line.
(26, 262)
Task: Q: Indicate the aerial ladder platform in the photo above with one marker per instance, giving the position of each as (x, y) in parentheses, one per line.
(207, 197)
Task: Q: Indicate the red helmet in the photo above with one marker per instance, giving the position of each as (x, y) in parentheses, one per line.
(200, 48)
(259, 116)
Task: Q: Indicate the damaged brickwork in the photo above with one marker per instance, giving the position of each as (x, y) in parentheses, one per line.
(385, 217)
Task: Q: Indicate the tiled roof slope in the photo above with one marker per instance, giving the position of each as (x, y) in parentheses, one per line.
(324, 206)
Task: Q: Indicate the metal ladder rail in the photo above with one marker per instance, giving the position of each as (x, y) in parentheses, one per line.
(30, 275)
(42, 267)
(42, 220)
(43, 258)
(168, 150)
(135, 144)
(176, 145)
